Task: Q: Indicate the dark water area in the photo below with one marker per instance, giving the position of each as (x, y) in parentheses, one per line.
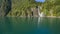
(33, 25)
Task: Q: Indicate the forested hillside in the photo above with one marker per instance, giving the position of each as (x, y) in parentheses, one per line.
(24, 7)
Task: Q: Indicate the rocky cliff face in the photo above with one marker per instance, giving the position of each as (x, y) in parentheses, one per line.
(19, 7)
(23, 7)
(5, 7)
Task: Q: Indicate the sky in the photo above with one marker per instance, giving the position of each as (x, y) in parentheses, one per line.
(39, 0)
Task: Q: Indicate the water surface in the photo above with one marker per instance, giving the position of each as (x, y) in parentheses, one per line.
(33, 25)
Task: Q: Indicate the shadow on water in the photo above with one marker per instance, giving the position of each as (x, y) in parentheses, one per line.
(5, 25)
(33, 25)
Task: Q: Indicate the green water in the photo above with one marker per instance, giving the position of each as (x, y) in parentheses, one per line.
(34, 25)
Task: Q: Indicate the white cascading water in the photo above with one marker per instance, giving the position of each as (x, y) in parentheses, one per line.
(41, 14)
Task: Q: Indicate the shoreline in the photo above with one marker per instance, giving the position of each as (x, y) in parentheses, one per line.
(35, 16)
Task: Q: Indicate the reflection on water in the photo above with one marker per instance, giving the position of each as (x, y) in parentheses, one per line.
(33, 25)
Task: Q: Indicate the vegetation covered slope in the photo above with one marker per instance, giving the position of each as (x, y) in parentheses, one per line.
(23, 7)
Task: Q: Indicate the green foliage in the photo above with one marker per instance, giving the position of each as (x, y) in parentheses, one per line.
(23, 7)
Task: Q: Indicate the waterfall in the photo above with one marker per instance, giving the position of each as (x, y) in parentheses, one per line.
(41, 14)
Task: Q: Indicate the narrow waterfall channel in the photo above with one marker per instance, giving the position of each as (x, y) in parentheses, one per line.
(41, 14)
